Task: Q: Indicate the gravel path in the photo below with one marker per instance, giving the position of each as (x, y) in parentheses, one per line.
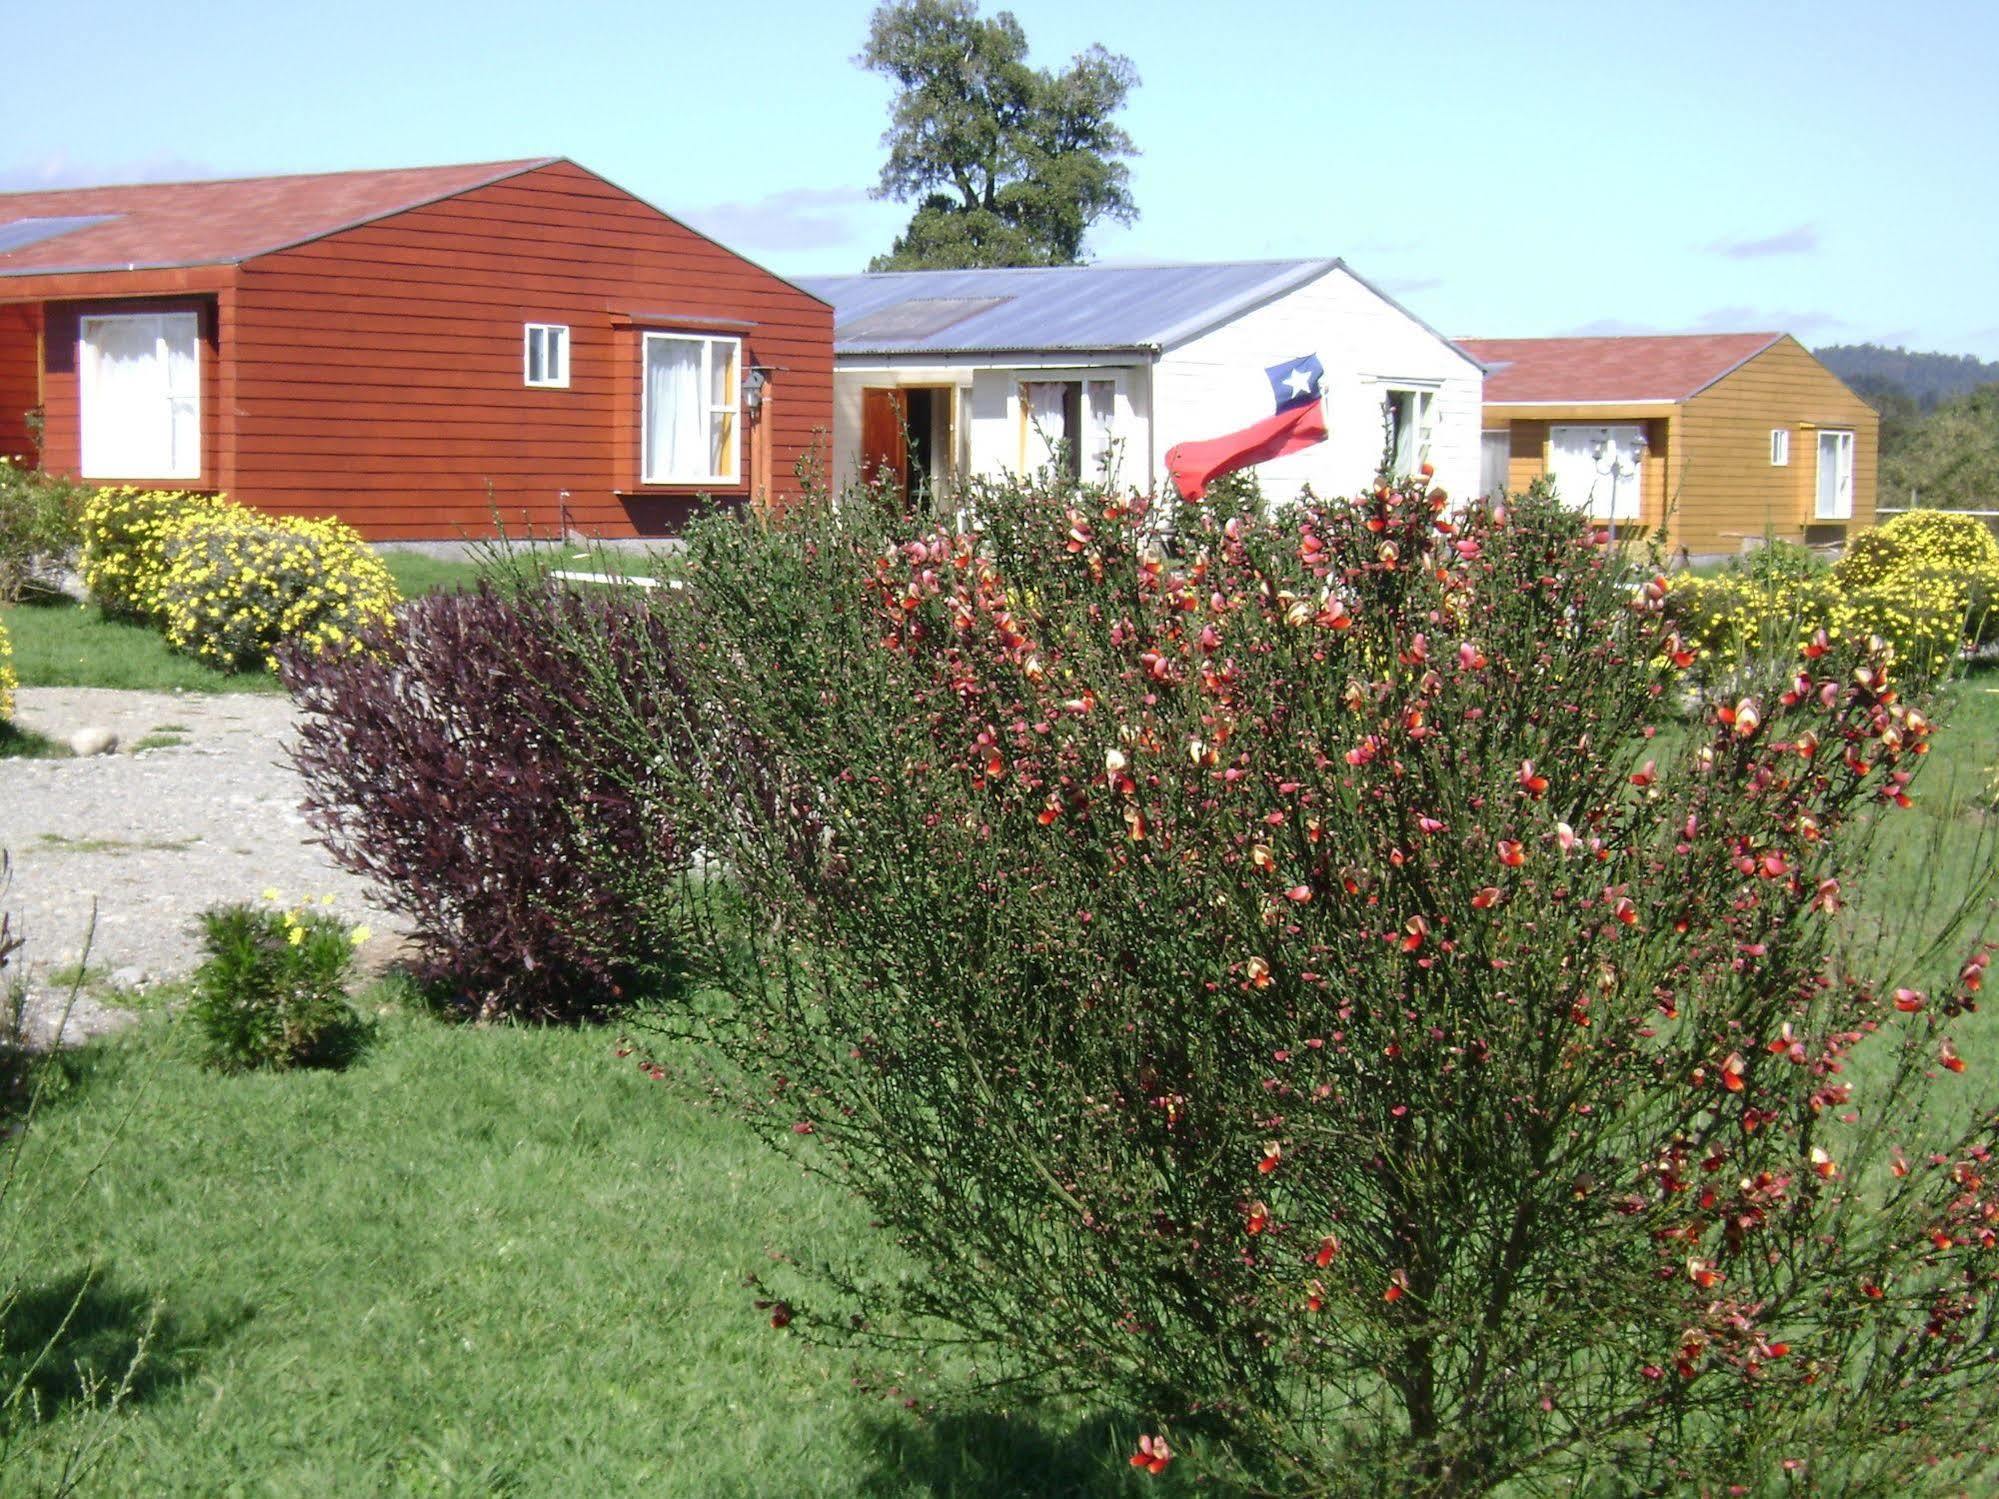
(153, 837)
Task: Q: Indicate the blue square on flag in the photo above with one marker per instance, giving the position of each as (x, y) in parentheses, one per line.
(1296, 382)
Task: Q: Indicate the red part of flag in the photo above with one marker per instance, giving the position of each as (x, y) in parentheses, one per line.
(1193, 466)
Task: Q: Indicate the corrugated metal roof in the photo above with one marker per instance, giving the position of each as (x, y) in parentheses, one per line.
(164, 224)
(1049, 308)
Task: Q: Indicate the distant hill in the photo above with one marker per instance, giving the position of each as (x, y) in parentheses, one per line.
(1925, 379)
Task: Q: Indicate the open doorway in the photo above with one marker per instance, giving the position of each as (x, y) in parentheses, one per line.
(908, 434)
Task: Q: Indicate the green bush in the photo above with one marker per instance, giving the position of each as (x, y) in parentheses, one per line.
(1780, 561)
(41, 526)
(1281, 984)
(272, 988)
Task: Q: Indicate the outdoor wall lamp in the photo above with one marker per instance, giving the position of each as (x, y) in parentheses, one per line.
(753, 387)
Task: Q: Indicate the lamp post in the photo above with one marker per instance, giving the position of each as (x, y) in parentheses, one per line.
(1617, 465)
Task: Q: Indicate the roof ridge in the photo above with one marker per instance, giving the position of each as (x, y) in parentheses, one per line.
(1009, 270)
(522, 162)
(1586, 338)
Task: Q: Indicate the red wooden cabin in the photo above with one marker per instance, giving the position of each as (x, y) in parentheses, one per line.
(413, 351)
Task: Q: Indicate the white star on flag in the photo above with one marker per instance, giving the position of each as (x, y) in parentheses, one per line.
(1300, 381)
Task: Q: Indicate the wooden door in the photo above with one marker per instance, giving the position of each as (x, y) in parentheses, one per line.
(885, 436)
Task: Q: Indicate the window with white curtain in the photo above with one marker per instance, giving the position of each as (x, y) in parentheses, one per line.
(1598, 470)
(1780, 446)
(691, 392)
(1495, 454)
(545, 355)
(1070, 425)
(1835, 487)
(1406, 417)
(140, 387)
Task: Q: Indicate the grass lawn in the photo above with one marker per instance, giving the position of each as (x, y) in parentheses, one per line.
(61, 643)
(417, 573)
(478, 1261)
(503, 1261)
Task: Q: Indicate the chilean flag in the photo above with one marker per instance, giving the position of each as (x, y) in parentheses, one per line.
(1300, 421)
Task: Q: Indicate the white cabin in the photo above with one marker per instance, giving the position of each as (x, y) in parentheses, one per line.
(944, 374)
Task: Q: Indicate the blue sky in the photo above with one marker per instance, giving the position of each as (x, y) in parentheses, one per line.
(1537, 167)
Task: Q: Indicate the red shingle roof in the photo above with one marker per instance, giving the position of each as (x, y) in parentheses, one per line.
(162, 224)
(1668, 367)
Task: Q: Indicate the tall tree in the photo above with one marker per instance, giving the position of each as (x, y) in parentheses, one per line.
(1008, 164)
(1949, 458)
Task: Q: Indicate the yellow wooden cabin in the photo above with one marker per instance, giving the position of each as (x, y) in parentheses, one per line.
(1721, 438)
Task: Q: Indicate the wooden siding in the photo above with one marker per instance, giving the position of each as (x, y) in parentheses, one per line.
(377, 373)
(20, 377)
(1732, 493)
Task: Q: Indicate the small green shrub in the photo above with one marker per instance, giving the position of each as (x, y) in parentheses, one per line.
(41, 526)
(272, 991)
(1779, 561)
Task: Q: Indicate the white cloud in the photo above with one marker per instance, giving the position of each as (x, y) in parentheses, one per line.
(798, 218)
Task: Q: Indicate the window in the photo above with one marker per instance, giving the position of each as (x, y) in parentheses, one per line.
(691, 390)
(1495, 452)
(1068, 424)
(1598, 470)
(1835, 489)
(1780, 447)
(140, 386)
(1406, 425)
(545, 355)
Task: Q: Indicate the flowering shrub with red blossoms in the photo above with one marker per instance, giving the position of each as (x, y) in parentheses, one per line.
(1272, 976)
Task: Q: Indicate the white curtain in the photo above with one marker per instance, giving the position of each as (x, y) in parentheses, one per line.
(1835, 488)
(141, 396)
(1045, 428)
(676, 424)
(1599, 470)
(1572, 465)
(1407, 413)
(1495, 449)
(1100, 418)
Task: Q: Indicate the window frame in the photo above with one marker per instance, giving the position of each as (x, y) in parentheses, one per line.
(189, 467)
(1780, 447)
(559, 345)
(710, 408)
(1079, 459)
(1843, 448)
(1423, 399)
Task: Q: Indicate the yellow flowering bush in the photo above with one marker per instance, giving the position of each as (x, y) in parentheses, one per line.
(1939, 538)
(8, 681)
(238, 583)
(123, 561)
(1926, 583)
